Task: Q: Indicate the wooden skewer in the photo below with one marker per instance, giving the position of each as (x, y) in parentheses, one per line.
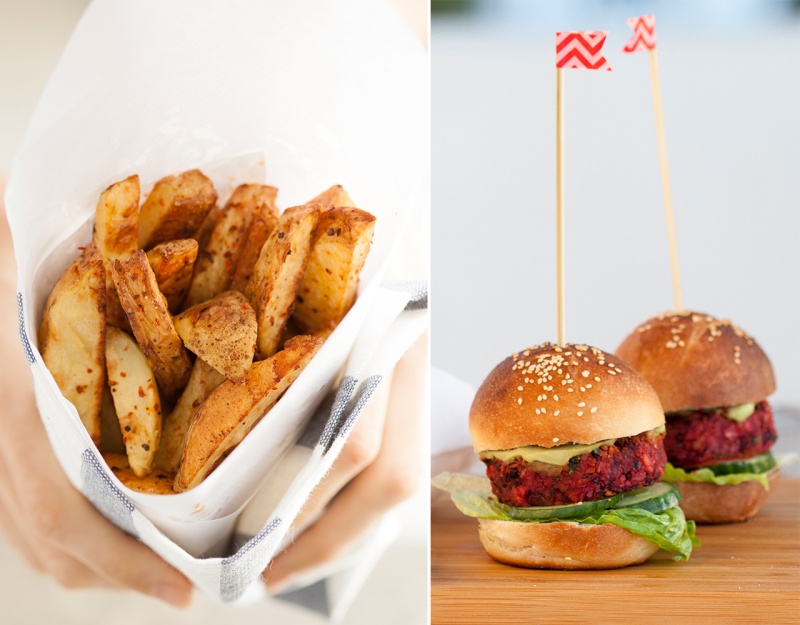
(665, 184)
(560, 299)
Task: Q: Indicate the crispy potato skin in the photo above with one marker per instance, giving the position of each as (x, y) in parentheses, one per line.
(136, 400)
(277, 274)
(203, 381)
(266, 216)
(330, 282)
(172, 263)
(151, 323)
(116, 234)
(216, 264)
(72, 337)
(175, 208)
(221, 331)
(232, 410)
(157, 483)
(334, 196)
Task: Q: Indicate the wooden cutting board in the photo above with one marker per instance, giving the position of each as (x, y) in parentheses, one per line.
(742, 573)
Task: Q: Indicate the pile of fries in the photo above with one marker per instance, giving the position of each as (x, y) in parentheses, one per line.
(181, 324)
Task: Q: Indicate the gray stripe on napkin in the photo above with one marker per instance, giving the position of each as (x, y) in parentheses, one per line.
(417, 292)
(358, 402)
(334, 424)
(106, 497)
(26, 346)
(316, 426)
(239, 570)
(313, 597)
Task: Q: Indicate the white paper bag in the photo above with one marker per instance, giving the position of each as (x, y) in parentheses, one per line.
(300, 95)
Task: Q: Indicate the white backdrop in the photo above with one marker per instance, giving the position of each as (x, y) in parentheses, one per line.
(731, 97)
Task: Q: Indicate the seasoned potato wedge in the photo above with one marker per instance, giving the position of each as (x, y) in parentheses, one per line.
(136, 400)
(222, 331)
(329, 198)
(232, 410)
(116, 234)
(157, 483)
(151, 323)
(175, 208)
(328, 289)
(277, 274)
(203, 380)
(172, 263)
(72, 336)
(263, 222)
(215, 266)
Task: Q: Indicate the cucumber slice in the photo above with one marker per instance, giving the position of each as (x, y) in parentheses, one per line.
(567, 511)
(760, 464)
(654, 498)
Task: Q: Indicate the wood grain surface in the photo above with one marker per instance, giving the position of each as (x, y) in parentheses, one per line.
(742, 573)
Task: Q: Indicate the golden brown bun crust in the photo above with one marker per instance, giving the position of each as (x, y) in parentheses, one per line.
(549, 396)
(704, 502)
(696, 361)
(563, 545)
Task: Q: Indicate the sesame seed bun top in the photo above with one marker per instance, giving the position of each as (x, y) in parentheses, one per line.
(694, 360)
(548, 396)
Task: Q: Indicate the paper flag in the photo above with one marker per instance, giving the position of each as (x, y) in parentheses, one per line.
(581, 50)
(644, 34)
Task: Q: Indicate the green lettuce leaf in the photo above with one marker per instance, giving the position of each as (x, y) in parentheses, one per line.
(676, 474)
(669, 529)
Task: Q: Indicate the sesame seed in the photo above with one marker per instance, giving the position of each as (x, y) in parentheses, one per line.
(581, 404)
(593, 409)
(588, 386)
(520, 388)
(555, 439)
(580, 413)
(596, 378)
(585, 374)
(612, 373)
(555, 397)
(519, 401)
(569, 390)
(583, 389)
(557, 412)
(538, 411)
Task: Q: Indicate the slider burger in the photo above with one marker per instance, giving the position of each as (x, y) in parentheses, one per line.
(572, 438)
(712, 380)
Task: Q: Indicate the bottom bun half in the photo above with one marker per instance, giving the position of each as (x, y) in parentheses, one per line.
(712, 503)
(563, 545)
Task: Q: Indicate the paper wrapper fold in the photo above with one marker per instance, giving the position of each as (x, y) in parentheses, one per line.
(299, 95)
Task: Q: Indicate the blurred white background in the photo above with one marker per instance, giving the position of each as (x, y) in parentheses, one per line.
(32, 35)
(730, 79)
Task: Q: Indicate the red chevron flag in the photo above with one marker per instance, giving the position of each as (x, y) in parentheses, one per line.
(581, 49)
(644, 34)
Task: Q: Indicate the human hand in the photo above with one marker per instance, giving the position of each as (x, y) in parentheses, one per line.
(49, 522)
(380, 465)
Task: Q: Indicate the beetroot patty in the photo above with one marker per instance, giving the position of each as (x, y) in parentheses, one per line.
(705, 437)
(629, 463)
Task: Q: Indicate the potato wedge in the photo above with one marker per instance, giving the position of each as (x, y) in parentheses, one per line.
(72, 337)
(221, 331)
(172, 263)
(157, 483)
(215, 266)
(231, 411)
(116, 234)
(277, 274)
(136, 400)
(264, 221)
(203, 380)
(175, 208)
(328, 289)
(329, 198)
(151, 323)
